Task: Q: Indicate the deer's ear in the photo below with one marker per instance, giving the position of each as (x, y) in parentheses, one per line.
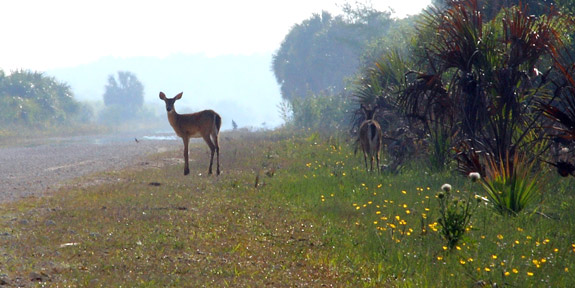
(162, 96)
(179, 96)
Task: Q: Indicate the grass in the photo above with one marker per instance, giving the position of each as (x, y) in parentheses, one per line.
(289, 210)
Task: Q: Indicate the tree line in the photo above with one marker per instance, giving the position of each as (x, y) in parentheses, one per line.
(35, 100)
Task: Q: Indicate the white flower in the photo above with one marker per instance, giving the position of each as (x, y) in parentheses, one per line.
(474, 176)
(446, 187)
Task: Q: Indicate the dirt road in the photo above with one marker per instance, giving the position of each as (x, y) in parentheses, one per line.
(36, 169)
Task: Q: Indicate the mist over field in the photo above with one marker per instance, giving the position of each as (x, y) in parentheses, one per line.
(239, 87)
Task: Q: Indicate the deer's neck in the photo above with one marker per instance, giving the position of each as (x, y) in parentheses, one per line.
(173, 119)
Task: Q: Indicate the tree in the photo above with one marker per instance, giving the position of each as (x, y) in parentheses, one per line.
(126, 90)
(124, 98)
(319, 54)
(33, 99)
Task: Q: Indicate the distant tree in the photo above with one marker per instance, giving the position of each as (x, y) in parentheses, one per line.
(234, 125)
(33, 99)
(124, 99)
(126, 91)
(320, 53)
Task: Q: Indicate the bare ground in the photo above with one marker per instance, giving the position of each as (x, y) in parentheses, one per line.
(36, 169)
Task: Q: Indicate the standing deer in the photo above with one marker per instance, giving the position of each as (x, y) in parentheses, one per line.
(205, 124)
(370, 136)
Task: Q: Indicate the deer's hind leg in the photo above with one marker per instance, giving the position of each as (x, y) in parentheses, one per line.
(212, 152)
(217, 147)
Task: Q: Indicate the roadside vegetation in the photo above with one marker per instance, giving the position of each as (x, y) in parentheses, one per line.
(290, 209)
(34, 105)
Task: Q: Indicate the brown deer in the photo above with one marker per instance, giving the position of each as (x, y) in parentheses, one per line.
(205, 124)
(370, 136)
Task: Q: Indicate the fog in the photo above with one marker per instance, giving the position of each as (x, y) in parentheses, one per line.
(240, 88)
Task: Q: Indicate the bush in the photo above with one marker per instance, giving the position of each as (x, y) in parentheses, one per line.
(318, 112)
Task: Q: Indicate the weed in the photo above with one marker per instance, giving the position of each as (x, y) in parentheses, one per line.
(455, 214)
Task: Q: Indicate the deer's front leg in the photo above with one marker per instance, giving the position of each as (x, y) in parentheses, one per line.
(186, 167)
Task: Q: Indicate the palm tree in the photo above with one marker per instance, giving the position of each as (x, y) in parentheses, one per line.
(480, 83)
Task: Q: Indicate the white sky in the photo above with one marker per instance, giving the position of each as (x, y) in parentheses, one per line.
(46, 34)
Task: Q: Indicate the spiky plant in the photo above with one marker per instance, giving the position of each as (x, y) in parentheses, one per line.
(480, 82)
(512, 184)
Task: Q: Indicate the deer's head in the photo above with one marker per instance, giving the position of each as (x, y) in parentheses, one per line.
(369, 111)
(170, 101)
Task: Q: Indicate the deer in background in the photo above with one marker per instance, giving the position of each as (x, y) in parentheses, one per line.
(205, 124)
(370, 136)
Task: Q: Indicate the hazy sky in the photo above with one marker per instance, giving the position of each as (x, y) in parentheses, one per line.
(41, 34)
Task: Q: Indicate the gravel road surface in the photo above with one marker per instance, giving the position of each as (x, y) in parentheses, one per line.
(36, 169)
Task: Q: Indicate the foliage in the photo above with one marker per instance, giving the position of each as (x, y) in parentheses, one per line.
(380, 84)
(124, 99)
(492, 8)
(512, 185)
(480, 81)
(35, 100)
(320, 53)
(125, 91)
(560, 109)
(397, 39)
(455, 214)
(318, 112)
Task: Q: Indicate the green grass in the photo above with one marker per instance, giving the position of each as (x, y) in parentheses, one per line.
(287, 211)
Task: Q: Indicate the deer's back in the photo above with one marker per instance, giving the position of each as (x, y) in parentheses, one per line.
(370, 133)
(194, 124)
